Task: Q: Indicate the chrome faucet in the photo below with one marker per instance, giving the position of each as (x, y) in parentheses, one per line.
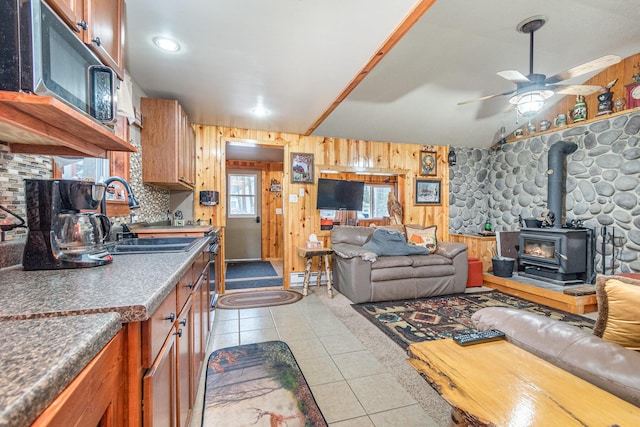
(133, 203)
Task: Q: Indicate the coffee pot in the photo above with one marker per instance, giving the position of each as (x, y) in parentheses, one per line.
(63, 233)
(80, 232)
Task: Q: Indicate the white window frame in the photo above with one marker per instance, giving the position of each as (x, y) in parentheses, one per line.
(254, 196)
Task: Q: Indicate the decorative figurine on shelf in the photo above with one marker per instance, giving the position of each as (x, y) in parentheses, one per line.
(618, 105)
(605, 104)
(487, 225)
(579, 112)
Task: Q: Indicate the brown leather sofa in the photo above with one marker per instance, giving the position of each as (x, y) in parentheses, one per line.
(363, 276)
(609, 366)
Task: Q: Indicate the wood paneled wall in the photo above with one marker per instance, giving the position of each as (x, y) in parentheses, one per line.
(301, 218)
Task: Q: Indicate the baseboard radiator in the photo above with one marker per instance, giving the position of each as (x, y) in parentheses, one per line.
(297, 279)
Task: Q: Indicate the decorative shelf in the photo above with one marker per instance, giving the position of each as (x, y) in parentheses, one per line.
(34, 124)
(571, 125)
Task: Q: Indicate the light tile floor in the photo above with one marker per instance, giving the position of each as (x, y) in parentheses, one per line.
(350, 386)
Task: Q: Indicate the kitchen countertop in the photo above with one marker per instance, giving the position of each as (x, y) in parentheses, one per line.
(54, 322)
(40, 357)
(133, 285)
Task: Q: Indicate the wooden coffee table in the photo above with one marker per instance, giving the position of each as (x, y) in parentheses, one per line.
(498, 383)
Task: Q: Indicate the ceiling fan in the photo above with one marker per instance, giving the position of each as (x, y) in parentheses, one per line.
(534, 89)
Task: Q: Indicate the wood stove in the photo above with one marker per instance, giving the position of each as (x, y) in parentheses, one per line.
(557, 254)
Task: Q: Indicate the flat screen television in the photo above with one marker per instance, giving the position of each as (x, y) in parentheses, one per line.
(337, 194)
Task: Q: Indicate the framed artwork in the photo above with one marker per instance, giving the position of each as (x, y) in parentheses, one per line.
(428, 163)
(301, 168)
(427, 192)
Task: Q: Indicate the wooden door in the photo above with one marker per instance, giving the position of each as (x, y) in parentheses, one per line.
(71, 12)
(159, 388)
(104, 32)
(184, 334)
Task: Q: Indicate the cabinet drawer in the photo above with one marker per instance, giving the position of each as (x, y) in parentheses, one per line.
(184, 287)
(156, 329)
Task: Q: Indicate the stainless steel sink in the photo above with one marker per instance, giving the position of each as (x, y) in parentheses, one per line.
(153, 245)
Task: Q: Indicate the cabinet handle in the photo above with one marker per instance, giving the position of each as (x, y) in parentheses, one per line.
(190, 285)
(97, 41)
(82, 24)
(179, 333)
(171, 317)
(183, 322)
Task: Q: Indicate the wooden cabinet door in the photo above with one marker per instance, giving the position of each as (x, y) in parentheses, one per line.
(185, 368)
(164, 147)
(71, 12)
(159, 388)
(186, 149)
(105, 32)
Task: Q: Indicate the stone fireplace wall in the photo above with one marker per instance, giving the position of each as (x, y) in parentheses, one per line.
(602, 186)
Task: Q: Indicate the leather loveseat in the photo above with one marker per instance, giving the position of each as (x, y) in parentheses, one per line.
(605, 364)
(363, 275)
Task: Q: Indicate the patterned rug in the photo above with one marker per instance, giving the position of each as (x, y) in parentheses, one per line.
(258, 384)
(255, 299)
(425, 319)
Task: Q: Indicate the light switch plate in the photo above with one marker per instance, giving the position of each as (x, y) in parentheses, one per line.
(293, 198)
(302, 192)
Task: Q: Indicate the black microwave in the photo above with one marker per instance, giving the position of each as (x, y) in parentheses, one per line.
(41, 55)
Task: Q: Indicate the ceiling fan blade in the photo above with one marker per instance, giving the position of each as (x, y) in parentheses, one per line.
(484, 98)
(513, 76)
(579, 70)
(574, 89)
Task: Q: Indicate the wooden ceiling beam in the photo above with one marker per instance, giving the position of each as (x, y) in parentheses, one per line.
(402, 29)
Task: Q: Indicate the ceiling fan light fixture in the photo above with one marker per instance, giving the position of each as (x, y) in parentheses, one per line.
(530, 103)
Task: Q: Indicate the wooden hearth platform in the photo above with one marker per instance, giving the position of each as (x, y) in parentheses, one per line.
(579, 304)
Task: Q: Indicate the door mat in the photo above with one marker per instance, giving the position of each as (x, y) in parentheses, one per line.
(258, 384)
(256, 299)
(242, 270)
(425, 319)
(252, 283)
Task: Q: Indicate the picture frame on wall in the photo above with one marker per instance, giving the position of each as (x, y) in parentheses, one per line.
(428, 163)
(428, 192)
(302, 168)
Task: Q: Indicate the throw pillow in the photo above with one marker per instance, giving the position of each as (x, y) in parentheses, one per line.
(423, 236)
(618, 314)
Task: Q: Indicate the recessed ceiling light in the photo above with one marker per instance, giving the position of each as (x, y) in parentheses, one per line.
(260, 111)
(166, 44)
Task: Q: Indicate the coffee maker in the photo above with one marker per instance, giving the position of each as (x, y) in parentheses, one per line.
(61, 233)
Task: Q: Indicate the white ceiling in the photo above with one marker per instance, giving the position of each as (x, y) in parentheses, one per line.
(295, 57)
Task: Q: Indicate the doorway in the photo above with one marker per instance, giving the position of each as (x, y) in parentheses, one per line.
(244, 211)
(254, 234)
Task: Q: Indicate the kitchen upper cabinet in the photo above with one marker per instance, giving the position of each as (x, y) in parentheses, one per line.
(168, 145)
(99, 25)
(71, 12)
(104, 31)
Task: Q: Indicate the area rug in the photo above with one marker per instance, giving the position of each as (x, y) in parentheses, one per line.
(256, 299)
(258, 384)
(242, 270)
(425, 319)
(252, 283)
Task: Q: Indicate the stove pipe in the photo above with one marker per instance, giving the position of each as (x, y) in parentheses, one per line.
(555, 183)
